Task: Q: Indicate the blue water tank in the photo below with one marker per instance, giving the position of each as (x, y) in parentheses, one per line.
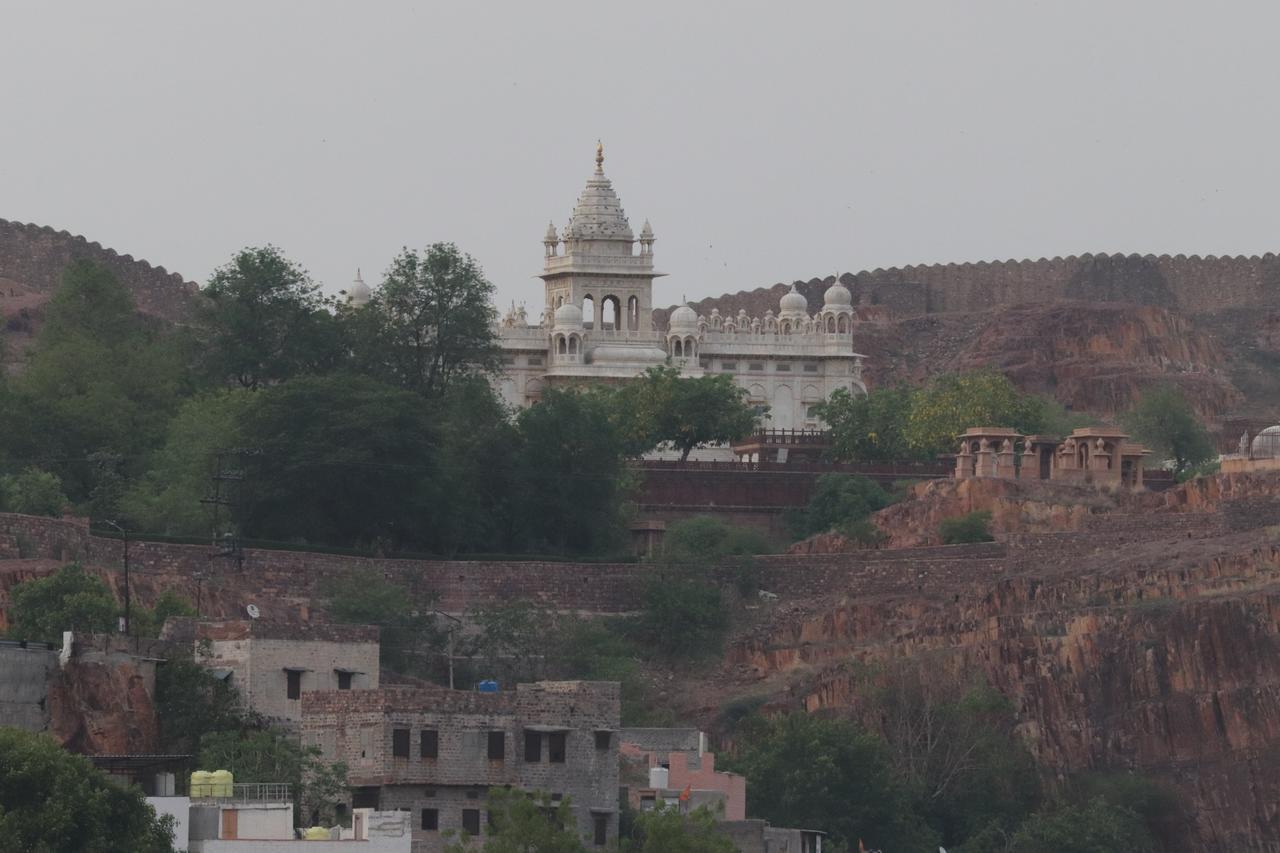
(487, 686)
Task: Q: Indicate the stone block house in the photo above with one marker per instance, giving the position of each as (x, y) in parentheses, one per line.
(435, 752)
(683, 763)
(273, 665)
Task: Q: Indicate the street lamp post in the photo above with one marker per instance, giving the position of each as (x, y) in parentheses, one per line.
(124, 627)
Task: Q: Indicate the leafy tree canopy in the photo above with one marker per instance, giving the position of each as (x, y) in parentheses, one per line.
(704, 540)
(571, 471)
(269, 755)
(340, 459)
(67, 600)
(57, 802)
(954, 402)
(1165, 421)
(148, 622)
(838, 501)
(525, 823)
(408, 636)
(669, 830)
(266, 321)
(970, 527)
(32, 492)
(870, 427)
(661, 406)
(430, 322)
(191, 702)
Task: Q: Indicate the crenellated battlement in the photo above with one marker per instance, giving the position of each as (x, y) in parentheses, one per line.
(36, 255)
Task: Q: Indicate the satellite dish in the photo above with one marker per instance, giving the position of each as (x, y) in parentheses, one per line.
(253, 611)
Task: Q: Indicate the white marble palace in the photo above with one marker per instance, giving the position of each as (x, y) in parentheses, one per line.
(598, 325)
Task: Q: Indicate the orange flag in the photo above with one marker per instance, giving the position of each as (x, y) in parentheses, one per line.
(861, 849)
(684, 795)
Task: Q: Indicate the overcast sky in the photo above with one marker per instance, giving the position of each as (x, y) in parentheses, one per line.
(764, 141)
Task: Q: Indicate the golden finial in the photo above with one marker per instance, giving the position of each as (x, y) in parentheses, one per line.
(599, 156)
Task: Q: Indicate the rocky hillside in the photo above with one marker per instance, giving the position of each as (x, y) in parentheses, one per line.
(1141, 634)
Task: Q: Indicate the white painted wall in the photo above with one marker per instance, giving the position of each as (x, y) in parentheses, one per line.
(180, 809)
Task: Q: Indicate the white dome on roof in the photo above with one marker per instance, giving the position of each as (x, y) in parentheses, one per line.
(683, 319)
(358, 294)
(793, 302)
(568, 316)
(837, 297)
(1266, 444)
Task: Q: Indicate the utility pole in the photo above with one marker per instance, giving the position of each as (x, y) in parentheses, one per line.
(124, 626)
(452, 628)
(227, 542)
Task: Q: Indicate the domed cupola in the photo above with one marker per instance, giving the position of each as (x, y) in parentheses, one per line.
(837, 298)
(1266, 444)
(793, 304)
(358, 294)
(683, 319)
(568, 316)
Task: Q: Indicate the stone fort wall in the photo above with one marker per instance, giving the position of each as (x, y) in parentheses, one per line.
(36, 256)
(1189, 283)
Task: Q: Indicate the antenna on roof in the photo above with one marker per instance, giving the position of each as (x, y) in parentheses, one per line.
(252, 610)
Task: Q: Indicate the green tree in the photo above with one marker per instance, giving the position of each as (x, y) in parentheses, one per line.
(340, 460)
(167, 498)
(829, 775)
(704, 539)
(963, 529)
(409, 640)
(1097, 827)
(838, 501)
(683, 614)
(266, 321)
(32, 492)
(99, 380)
(269, 755)
(191, 702)
(1165, 421)
(67, 600)
(661, 406)
(57, 802)
(668, 830)
(147, 622)
(430, 322)
(870, 427)
(571, 474)
(525, 823)
(954, 402)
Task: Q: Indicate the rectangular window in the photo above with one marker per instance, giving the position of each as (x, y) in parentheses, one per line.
(532, 747)
(497, 746)
(603, 739)
(293, 683)
(555, 747)
(471, 821)
(812, 412)
(728, 365)
(430, 746)
(756, 365)
(811, 368)
(783, 368)
(430, 819)
(344, 680)
(535, 361)
(400, 743)
(428, 792)
(601, 826)
(508, 359)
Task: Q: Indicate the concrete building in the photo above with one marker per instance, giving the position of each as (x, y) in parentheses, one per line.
(660, 764)
(25, 669)
(596, 324)
(273, 665)
(757, 836)
(435, 752)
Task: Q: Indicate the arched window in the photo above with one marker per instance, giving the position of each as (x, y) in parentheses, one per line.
(786, 327)
(633, 314)
(588, 312)
(843, 325)
(831, 324)
(561, 346)
(573, 345)
(677, 348)
(610, 313)
(688, 347)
